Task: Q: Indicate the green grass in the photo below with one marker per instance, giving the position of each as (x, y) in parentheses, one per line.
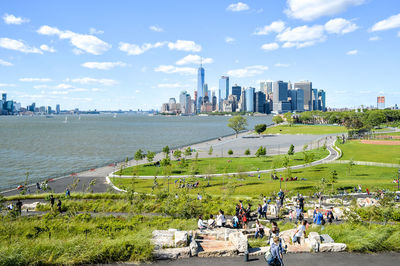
(354, 150)
(305, 129)
(246, 186)
(390, 134)
(218, 165)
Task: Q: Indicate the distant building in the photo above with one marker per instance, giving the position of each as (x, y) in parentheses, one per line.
(229, 105)
(49, 110)
(200, 87)
(58, 109)
(223, 90)
(280, 97)
(259, 102)
(249, 92)
(321, 100)
(380, 102)
(315, 99)
(205, 90)
(4, 97)
(237, 91)
(306, 86)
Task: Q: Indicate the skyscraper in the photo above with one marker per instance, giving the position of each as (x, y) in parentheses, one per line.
(315, 99)
(380, 102)
(184, 101)
(250, 99)
(200, 87)
(300, 100)
(236, 90)
(223, 88)
(259, 104)
(321, 100)
(58, 109)
(4, 97)
(280, 97)
(205, 91)
(306, 86)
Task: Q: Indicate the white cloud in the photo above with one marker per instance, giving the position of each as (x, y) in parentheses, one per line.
(352, 52)
(312, 9)
(171, 85)
(7, 85)
(11, 19)
(398, 34)
(18, 45)
(5, 63)
(35, 79)
(282, 65)
(183, 45)
(156, 28)
(134, 49)
(229, 39)
(173, 69)
(391, 22)
(340, 26)
(84, 42)
(276, 26)
(64, 86)
(137, 91)
(270, 46)
(93, 31)
(239, 6)
(248, 71)
(193, 59)
(103, 65)
(46, 48)
(88, 80)
(302, 36)
(374, 38)
(43, 86)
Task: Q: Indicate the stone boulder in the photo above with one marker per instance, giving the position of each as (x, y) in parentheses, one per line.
(332, 247)
(181, 239)
(287, 235)
(367, 202)
(325, 238)
(171, 253)
(194, 248)
(239, 241)
(163, 239)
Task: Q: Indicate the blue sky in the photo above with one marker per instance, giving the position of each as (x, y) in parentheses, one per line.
(137, 54)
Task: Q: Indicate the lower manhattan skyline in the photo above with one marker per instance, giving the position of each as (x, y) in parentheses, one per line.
(348, 49)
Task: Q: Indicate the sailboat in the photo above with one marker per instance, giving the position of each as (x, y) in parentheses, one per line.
(115, 116)
(66, 119)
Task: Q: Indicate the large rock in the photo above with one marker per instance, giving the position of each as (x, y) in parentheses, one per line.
(325, 238)
(163, 239)
(181, 238)
(171, 253)
(239, 241)
(315, 236)
(332, 247)
(287, 235)
(194, 248)
(367, 202)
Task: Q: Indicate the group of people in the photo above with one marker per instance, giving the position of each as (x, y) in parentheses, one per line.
(319, 218)
(220, 221)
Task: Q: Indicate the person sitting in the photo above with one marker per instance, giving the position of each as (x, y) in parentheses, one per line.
(201, 224)
(211, 221)
(259, 230)
(235, 222)
(274, 231)
(299, 232)
(221, 220)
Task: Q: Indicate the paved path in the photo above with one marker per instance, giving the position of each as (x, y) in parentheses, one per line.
(299, 259)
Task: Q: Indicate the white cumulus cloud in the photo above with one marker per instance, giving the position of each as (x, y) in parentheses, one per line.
(134, 49)
(5, 63)
(103, 65)
(248, 71)
(184, 45)
(11, 19)
(276, 26)
(229, 39)
(308, 10)
(35, 79)
(88, 80)
(374, 38)
(84, 42)
(282, 65)
(340, 26)
(173, 69)
(391, 22)
(301, 36)
(270, 46)
(156, 28)
(47, 48)
(18, 45)
(93, 31)
(352, 52)
(194, 59)
(239, 6)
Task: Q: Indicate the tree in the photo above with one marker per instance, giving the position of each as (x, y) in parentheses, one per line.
(237, 123)
(188, 151)
(150, 156)
(166, 151)
(260, 128)
(177, 154)
(289, 118)
(333, 178)
(291, 150)
(230, 152)
(210, 151)
(166, 161)
(350, 165)
(262, 151)
(139, 155)
(376, 118)
(277, 119)
(247, 152)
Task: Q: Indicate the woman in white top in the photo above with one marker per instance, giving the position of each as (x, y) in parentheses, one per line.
(211, 222)
(221, 220)
(200, 224)
(299, 232)
(259, 229)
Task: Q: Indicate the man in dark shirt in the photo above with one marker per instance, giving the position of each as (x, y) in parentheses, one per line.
(19, 207)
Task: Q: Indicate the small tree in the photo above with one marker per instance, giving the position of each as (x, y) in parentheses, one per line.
(289, 118)
(150, 156)
(237, 123)
(139, 155)
(166, 161)
(230, 152)
(188, 151)
(247, 152)
(166, 151)
(291, 150)
(260, 128)
(333, 178)
(350, 166)
(177, 154)
(210, 151)
(262, 151)
(277, 119)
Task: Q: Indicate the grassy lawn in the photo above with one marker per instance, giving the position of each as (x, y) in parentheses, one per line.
(305, 129)
(250, 186)
(354, 150)
(223, 165)
(390, 134)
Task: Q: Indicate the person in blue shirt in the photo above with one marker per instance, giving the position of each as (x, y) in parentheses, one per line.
(275, 257)
(318, 218)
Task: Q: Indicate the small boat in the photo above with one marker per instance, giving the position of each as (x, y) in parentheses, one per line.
(115, 116)
(66, 119)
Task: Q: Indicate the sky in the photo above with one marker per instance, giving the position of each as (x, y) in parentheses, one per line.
(111, 55)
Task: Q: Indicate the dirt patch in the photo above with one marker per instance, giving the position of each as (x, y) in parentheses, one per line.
(380, 142)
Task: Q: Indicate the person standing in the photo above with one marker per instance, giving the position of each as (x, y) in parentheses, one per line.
(276, 256)
(281, 196)
(52, 201)
(259, 230)
(19, 207)
(68, 193)
(221, 220)
(265, 209)
(59, 206)
(301, 202)
(299, 232)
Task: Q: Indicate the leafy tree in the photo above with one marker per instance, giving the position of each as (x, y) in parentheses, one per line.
(196, 157)
(350, 166)
(308, 157)
(277, 119)
(166, 151)
(210, 151)
(177, 154)
(166, 161)
(237, 123)
(188, 151)
(289, 118)
(247, 152)
(333, 178)
(285, 161)
(376, 118)
(230, 152)
(262, 151)
(139, 155)
(291, 150)
(260, 128)
(150, 156)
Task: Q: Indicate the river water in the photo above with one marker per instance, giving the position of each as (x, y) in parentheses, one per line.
(57, 146)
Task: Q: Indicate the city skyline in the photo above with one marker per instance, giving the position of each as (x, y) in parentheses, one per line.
(96, 62)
